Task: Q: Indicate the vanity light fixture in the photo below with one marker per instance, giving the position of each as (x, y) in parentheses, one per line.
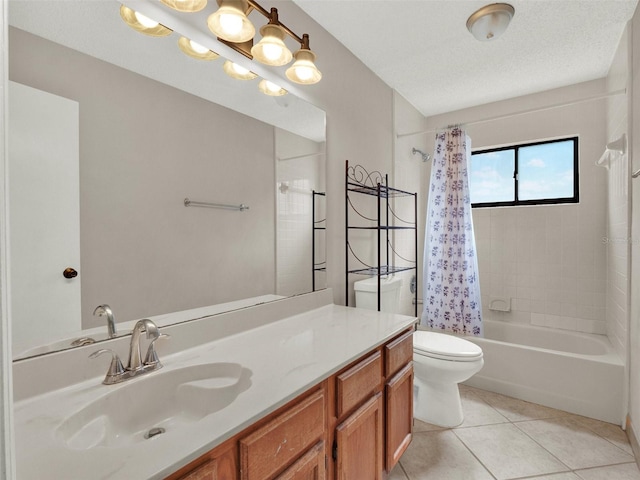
(271, 50)
(304, 70)
(195, 50)
(143, 24)
(237, 71)
(186, 5)
(271, 89)
(490, 21)
(230, 21)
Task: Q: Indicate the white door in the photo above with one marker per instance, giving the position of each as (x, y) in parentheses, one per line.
(44, 216)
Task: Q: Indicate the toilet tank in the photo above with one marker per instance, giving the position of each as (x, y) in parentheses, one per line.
(367, 294)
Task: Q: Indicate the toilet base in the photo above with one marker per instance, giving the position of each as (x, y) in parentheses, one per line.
(437, 403)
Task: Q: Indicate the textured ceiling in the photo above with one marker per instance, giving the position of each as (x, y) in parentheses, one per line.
(422, 48)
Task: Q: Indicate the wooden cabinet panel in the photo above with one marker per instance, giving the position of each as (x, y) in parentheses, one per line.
(399, 418)
(398, 353)
(358, 383)
(275, 445)
(206, 471)
(311, 466)
(359, 443)
(219, 464)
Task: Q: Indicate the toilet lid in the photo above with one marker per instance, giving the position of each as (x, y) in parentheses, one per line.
(441, 345)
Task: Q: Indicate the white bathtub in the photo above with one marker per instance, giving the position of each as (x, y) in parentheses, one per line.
(572, 371)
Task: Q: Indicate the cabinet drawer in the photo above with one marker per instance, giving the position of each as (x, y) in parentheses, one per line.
(308, 467)
(358, 383)
(275, 445)
(398, 353)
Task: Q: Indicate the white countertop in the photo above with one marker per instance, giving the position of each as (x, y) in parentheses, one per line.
(285, 357)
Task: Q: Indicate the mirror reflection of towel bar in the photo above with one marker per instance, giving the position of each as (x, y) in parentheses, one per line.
(190, 203)
(636, 174)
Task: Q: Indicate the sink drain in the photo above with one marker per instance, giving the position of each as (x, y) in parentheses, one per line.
(154, 432)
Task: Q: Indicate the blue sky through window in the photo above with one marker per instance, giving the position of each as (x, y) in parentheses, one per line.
(545, 173)
(491, 177)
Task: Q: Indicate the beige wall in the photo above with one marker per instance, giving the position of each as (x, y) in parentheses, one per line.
(144, 147)
(634, 146)
(359, 108)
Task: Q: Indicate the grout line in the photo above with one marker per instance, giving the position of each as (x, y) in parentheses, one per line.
(473, 453)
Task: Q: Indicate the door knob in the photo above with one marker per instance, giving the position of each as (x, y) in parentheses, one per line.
(69, 273)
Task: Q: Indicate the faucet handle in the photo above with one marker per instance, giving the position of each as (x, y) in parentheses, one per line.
(152, 357)
(116, 369)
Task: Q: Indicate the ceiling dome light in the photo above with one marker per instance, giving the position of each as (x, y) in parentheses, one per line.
(304, 70)
(238, 72)
(230, 21)
(271, 89)
(195, 50)
(185, 5)
(142, 23)
(271, 50)
(490, 21)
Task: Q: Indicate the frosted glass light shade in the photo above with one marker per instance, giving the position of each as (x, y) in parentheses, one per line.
(238, 72)
(185, 5)
(304, 70)
(490, 21)
(271, 89)
(195, 50)
(143, 24)
(230, 22)
(271, 50)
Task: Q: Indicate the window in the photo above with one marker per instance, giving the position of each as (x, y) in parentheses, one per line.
(528, 174)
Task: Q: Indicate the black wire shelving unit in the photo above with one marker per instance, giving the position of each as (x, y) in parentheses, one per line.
(358, 181)
(318, 227)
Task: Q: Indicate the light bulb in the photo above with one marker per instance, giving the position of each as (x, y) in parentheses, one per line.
(238, 69)
(272, 87)
(304, 73)
(230, 23)
(145, 21)
(197, 47)
(272, 52)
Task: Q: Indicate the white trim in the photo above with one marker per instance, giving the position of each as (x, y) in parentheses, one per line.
(7, 462)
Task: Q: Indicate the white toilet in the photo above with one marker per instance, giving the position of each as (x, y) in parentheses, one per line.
(367, 293)
(440, 362)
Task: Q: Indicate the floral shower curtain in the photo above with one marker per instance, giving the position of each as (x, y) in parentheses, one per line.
(451, 283)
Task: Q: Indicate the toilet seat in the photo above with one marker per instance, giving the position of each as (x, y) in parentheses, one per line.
(445, 347)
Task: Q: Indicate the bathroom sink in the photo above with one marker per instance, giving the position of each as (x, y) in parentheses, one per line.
(137, 410)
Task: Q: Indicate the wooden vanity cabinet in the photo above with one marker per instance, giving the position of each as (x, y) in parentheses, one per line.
(399, 397)
(221, 463)
(355, 425)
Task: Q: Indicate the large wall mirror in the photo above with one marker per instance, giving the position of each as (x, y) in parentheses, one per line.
(109, 132)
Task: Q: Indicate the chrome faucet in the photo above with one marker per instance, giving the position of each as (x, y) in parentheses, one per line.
(105, 310)
(117, 373)
(135, 359)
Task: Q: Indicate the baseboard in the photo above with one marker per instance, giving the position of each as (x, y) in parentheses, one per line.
(633, 440)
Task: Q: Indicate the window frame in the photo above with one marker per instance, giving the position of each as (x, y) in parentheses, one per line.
(543, 201)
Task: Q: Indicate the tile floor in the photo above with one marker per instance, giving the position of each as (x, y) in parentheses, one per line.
(504, 438)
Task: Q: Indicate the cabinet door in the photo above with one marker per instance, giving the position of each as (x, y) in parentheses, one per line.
(206, 471)
(359, 443)
(310, 466)
(273, 447)
(399, 415)
(221, 465)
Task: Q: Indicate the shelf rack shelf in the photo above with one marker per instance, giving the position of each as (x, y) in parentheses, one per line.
(318, 226)
(358, 181)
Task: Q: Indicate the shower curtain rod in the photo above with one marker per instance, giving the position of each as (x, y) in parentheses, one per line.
(599, 96)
